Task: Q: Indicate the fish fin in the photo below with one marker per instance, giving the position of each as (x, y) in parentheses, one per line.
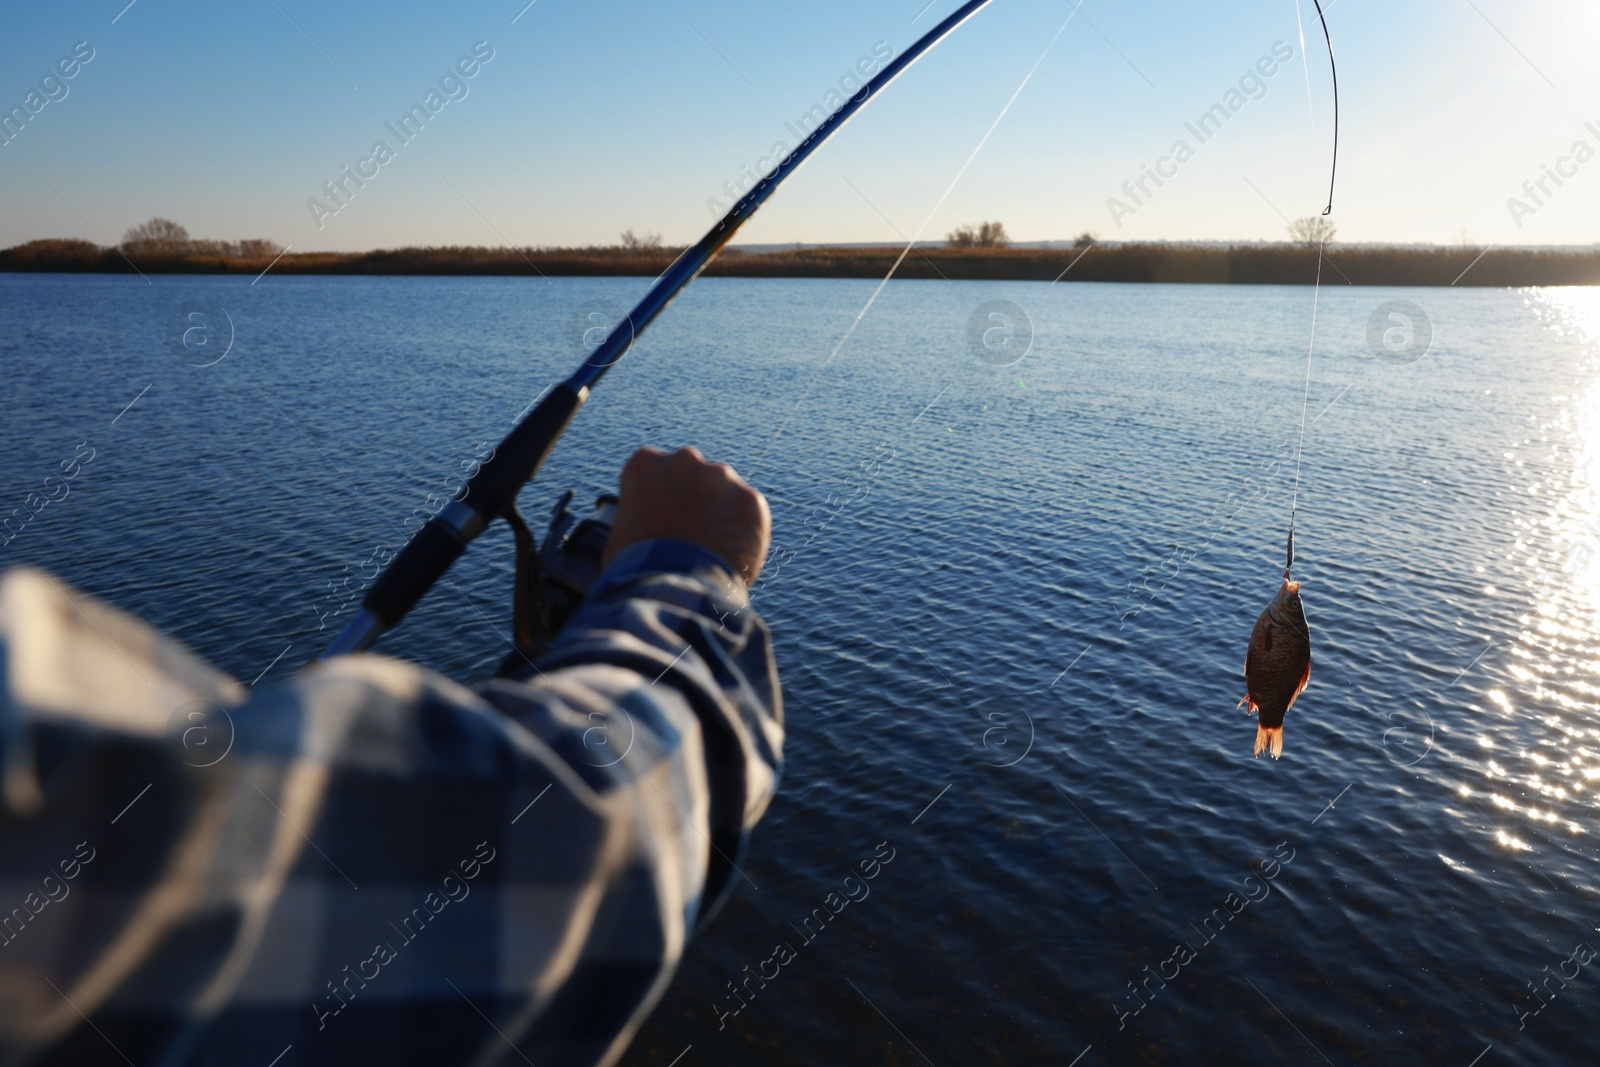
(1251, 710)
(1269, 738)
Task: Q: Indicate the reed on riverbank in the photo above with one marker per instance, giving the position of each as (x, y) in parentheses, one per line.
(1253, 264)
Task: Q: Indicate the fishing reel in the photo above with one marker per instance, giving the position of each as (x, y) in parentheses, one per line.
(553, 578)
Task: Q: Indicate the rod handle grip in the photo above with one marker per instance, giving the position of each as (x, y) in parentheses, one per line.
(423, 561)
(491, 493)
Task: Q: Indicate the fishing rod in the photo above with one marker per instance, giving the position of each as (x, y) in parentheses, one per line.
(1333, 171)
(491, 493)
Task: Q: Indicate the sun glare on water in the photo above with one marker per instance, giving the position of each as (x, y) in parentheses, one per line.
(1537, 750)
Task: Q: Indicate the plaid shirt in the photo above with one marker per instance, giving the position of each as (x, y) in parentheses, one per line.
(368, 863)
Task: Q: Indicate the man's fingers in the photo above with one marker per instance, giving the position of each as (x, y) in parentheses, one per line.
(640, 465)
(681, 494)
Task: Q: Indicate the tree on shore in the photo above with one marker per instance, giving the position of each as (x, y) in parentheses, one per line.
(1313, 230)
(161, 237)
(984, 235)
(157, 235)
(634, 242)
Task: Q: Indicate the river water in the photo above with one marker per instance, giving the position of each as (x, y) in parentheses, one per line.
(1010, 600)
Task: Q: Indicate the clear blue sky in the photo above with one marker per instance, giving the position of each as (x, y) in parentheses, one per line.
(595, 117)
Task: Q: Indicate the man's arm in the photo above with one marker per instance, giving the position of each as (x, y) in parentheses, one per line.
(384, 865)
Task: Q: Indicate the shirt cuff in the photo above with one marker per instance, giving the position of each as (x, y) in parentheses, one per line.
(669, 555)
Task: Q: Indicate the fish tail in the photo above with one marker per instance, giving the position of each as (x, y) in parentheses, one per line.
(1269, 738)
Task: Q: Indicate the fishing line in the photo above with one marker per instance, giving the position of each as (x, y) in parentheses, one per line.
(862, 314)
(1305, 400)
(1316, 295)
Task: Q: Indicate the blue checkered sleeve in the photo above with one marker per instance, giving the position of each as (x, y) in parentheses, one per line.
(369, 863)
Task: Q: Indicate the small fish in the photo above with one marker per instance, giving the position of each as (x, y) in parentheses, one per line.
(1277, 665)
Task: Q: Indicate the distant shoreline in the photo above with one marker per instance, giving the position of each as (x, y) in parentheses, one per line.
(1253, 264)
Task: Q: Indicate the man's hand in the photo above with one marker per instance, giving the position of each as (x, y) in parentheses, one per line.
(678, 494)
